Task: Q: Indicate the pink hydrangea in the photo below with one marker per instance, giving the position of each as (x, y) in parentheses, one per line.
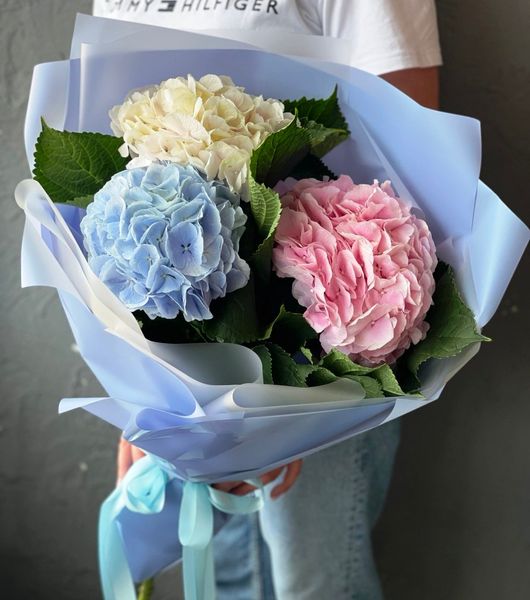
(362, 265)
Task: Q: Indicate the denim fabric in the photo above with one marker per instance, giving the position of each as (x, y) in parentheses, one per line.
(242, 561)
(318, 534)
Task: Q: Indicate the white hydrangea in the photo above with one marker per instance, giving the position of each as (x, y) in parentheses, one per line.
(209, 123)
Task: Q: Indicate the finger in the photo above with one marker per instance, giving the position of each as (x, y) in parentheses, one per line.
(226, 486)
(234, 487)
(239, 488)
(271, 475)
(243, 489)
(291, 474)
(136, 453)
(124, 459)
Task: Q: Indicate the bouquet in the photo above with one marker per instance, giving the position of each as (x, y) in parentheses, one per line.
(258, 258)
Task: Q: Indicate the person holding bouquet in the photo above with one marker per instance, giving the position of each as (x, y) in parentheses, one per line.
(316, 537)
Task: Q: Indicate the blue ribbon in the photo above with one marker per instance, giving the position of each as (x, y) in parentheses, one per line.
(142, 490)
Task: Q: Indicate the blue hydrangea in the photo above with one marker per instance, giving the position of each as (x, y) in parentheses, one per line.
(166, 241)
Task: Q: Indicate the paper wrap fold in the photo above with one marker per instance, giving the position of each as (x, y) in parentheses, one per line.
(204, 407)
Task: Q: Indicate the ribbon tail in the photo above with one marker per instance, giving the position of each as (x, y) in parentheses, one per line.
(195, 534)
(198, 573)
(116, 579)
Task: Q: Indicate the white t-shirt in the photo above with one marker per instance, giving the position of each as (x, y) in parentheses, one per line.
(384, 35)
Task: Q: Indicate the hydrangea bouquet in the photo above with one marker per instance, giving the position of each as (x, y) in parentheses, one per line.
(246, 266)
(212, 230)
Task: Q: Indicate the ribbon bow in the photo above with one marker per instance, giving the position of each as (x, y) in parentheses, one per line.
(143, 490)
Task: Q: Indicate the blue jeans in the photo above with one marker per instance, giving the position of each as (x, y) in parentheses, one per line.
(315, 541)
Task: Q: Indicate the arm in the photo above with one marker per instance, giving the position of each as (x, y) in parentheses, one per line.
(421, 85)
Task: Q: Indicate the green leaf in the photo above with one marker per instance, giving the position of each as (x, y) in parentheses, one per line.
(74, 166)
(341, 365)
(235, 318)
(290, 331)
(452, 324)
(312, 167)
(320, 376)
(81, 201)
(284, 369)
(325, 111)
(266, 209)
(240, 317)
(250, 239)
(279, 153)
(261, 260)
(371, 386)
(318, 126)
(377, 381)
(323, 139)
(306, 352)
(389, 384)
(323, 119)
(266, 362)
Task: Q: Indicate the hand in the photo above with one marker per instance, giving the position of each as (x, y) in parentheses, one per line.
(127, 455)
(240, 488)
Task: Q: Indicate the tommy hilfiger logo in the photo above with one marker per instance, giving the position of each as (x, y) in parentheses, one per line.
(267, 6)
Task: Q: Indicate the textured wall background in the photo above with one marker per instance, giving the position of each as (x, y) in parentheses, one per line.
(456, 524)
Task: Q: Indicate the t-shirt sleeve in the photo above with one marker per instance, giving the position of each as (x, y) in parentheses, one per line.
(385, 35)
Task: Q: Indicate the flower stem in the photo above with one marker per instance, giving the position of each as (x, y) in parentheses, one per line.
(146, 589)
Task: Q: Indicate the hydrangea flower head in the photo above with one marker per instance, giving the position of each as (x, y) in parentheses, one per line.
(362, 265)
(166, 241)
(208, 123)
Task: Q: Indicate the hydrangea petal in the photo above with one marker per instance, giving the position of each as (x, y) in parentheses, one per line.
(208, 123)
(156, 237)
(362, 262)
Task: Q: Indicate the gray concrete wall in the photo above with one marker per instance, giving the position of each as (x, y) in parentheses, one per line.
(456, 525)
